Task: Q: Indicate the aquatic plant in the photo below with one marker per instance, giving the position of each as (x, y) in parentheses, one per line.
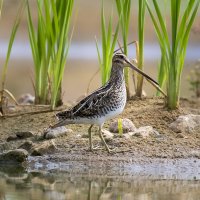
(50, 44)
(108, 45)
(123, 8)
(173, 53)
(140, 50)
(194, 79)
(10, 45)
(120, 126)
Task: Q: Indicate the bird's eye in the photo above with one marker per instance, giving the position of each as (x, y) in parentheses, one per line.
(121, 57)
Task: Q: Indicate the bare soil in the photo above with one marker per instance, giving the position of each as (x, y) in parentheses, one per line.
(149, 111)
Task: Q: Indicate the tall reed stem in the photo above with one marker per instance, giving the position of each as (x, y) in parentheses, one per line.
(173, 53)
(141, 19)
(50, 45)
(123, 8)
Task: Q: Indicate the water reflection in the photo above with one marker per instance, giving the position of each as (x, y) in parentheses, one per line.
(20, 184)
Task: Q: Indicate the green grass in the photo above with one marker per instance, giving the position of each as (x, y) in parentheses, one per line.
(108, 45)
(173, 46)
(123, 9)
(140, 54)
(10, 45)
(50, 43)
(194, 80)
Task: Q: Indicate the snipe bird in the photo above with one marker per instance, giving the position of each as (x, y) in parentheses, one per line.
(106, 102)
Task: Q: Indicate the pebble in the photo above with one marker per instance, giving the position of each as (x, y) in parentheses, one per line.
(12, 138)
(127, 126)
(20, 135)
(24, 134)
(14, 156)
(46, 147)
(26, 145)
(4, 146)
(107, 134)
(56, 132)
(145, 131)
(186, 124)
(26, 99)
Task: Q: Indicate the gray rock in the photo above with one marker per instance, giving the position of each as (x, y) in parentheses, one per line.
(20, 135)
(128, 135)
(26, 145)
(56, 132)
(107, 134)
(26, 99)
(24, 134)
(12, 138)
(14, 156)
(144, 131)
(4, 146)
(186, 124)
(45, 147)
(127, 126)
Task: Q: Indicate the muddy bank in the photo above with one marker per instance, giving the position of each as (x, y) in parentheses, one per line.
(171, 154)
(118, 168)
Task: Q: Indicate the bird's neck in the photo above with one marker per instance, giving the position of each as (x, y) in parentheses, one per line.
(117, 74)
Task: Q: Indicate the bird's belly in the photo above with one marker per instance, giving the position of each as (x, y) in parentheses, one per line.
(109, 115)
(99, 119)
(113, 113)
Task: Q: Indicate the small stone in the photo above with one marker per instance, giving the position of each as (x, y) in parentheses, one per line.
(26, 145)
(127, 126)
(20, 135)
(128, 135)
(56, 132)
(12, 138)
(145, 131)
(46, 147)
(180, 135)
(186, 124)
(11, 108)
(14, 156)
(107, 134)
(4, 146)
(195, 153)
(24, 134)
(26, 99)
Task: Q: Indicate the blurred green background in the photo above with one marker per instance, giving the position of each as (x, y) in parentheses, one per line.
(82, 60)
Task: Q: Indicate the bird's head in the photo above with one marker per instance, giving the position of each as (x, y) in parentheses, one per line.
(120, 59)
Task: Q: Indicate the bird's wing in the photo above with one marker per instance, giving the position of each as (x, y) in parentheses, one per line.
(93, 101)
(87, 106)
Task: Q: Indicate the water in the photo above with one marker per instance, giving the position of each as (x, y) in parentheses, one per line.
(88, 51)
(46, 185)
(71, 180)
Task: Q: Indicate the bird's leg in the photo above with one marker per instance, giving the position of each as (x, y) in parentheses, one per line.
(90, 137)
(102, 139)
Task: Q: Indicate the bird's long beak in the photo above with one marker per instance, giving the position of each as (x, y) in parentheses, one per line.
(140, 72)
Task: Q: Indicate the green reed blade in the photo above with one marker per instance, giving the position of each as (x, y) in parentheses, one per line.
(123, 9)
(108, 46)
(173, 54)
(11, 41)
(50, 44)
(140, 55)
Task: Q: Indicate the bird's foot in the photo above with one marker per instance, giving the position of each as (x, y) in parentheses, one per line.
(92, 148)
(101, 148)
